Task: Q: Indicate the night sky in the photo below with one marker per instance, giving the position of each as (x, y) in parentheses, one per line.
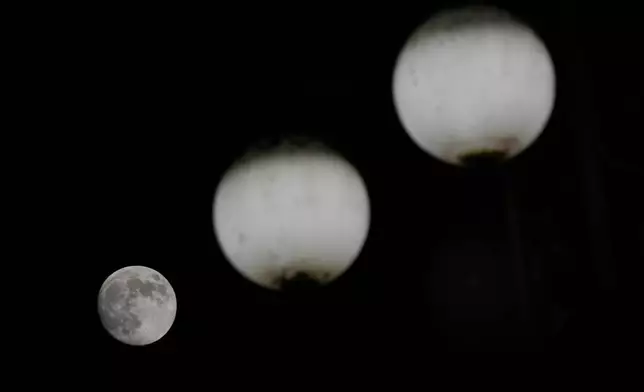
(527, 257)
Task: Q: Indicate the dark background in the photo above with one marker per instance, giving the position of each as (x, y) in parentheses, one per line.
(160, 101)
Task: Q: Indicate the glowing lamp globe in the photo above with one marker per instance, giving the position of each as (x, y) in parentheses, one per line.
(291, 216)
(474, 83)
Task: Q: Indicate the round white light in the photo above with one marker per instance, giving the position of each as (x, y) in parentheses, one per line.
(291, 214)
(473, 82)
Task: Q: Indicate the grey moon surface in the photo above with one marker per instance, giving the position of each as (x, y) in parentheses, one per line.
(473, 80)
(137, 305)
(290, 212)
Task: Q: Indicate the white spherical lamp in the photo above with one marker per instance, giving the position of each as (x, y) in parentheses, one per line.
(291, 214)
(473, 82)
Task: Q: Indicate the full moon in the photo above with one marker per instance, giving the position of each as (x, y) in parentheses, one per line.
(137, 305)
(473, 82)
(292, 216)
